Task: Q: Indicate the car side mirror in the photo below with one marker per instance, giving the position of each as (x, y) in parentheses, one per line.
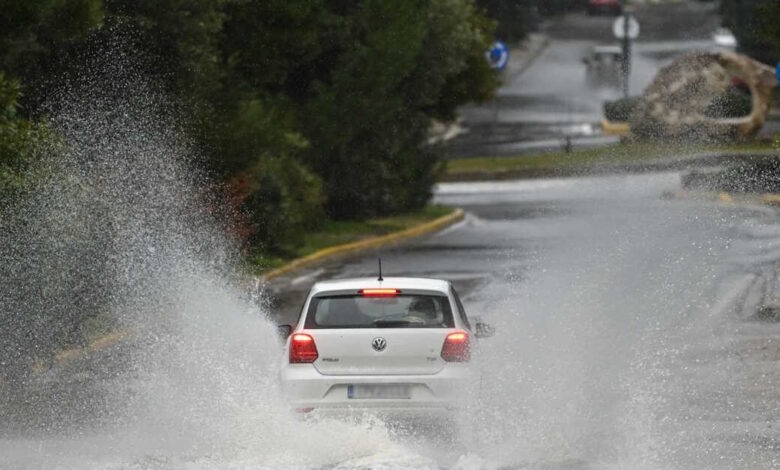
(284, 331)
(484, 330)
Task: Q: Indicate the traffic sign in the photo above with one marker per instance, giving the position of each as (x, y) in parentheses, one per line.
(619, 27)
(777, 72)
(498, 55)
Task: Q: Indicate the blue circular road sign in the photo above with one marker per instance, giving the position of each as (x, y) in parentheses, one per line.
(498, 55)
(777, 72)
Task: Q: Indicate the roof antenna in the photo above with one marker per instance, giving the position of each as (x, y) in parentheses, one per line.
(380, 270)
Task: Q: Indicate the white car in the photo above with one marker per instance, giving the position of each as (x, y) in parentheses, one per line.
(394, 346)
(723, 37)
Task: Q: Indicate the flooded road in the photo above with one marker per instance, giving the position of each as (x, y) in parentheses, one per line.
(627, 335)
(626, 338)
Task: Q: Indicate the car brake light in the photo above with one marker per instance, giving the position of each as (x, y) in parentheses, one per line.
(456, 348)
(302, 349)
(379, 292)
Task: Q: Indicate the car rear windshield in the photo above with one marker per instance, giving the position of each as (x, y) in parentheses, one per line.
(402, 311)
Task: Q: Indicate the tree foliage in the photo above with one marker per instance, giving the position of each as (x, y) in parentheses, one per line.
(18, 137)
(516, 18)
(756, 26)
(512, 17)
(336, 96)
(367, 118)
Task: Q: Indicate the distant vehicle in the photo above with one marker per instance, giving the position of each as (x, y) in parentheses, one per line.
(723, 37)
(603, 65)
(610, 7)
(395, 346)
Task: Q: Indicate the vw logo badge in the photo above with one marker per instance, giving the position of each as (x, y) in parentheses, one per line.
(379, 344)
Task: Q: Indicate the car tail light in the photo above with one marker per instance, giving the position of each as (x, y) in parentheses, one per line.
(302, 349)
(379, 292)
(457, 347)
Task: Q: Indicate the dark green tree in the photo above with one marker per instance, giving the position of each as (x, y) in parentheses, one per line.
(18, 137)
(407, 62)
(33, 33)
(512, 17)
(756, 26)
(363, 79)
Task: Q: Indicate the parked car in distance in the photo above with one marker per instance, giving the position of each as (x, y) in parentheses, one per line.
(603, 65)
(602, 7)
(723, 37)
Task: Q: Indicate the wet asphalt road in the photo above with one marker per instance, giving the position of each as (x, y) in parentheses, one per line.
(626, 338)
(554, 97)
(627, 335)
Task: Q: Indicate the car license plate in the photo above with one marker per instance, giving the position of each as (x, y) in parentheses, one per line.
(379, 391)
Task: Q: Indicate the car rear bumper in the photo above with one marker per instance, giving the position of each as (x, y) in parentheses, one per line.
(305, 388)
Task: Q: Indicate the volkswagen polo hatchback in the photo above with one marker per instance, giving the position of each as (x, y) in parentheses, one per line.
(395, 344)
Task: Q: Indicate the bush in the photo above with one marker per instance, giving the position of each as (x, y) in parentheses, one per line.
(733, 103)
(621, 110)
(17, 141)
(279, 200)
(368, 118)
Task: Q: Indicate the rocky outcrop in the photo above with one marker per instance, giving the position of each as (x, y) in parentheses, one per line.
(678, 103)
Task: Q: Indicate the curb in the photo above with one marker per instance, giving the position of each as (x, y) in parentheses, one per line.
(109, 339)
(768, 199)
(353, 248)
(771, 199)
(615, 127)
(68, 355)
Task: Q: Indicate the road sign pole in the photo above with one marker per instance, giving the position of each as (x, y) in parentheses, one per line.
(498, 56)
(626, 54)
(626, 28)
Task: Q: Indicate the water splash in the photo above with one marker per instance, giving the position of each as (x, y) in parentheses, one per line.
(122, 229)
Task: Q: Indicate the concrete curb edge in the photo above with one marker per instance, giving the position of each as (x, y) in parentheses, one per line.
(768, 199)
(353, 248)
(615, 127)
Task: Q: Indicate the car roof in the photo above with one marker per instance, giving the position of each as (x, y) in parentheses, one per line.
(411, 283)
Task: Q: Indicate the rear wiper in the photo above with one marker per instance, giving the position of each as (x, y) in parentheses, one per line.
(391, 323)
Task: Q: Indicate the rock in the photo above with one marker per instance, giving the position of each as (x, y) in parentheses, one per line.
(679, 102)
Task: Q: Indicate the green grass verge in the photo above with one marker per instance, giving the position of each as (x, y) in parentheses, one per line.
(582, 160)
(334, 233)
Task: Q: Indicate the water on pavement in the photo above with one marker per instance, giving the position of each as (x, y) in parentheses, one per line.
(624, 341)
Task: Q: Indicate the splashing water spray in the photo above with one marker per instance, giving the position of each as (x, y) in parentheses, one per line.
(120, 233)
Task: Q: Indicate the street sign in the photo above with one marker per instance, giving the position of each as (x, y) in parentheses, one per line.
(619, 27)
(498, 55)
(777, 72)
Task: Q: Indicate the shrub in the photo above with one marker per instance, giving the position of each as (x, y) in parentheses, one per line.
(17, 141)
(621, 110)
(733, 103)
(279, 200)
